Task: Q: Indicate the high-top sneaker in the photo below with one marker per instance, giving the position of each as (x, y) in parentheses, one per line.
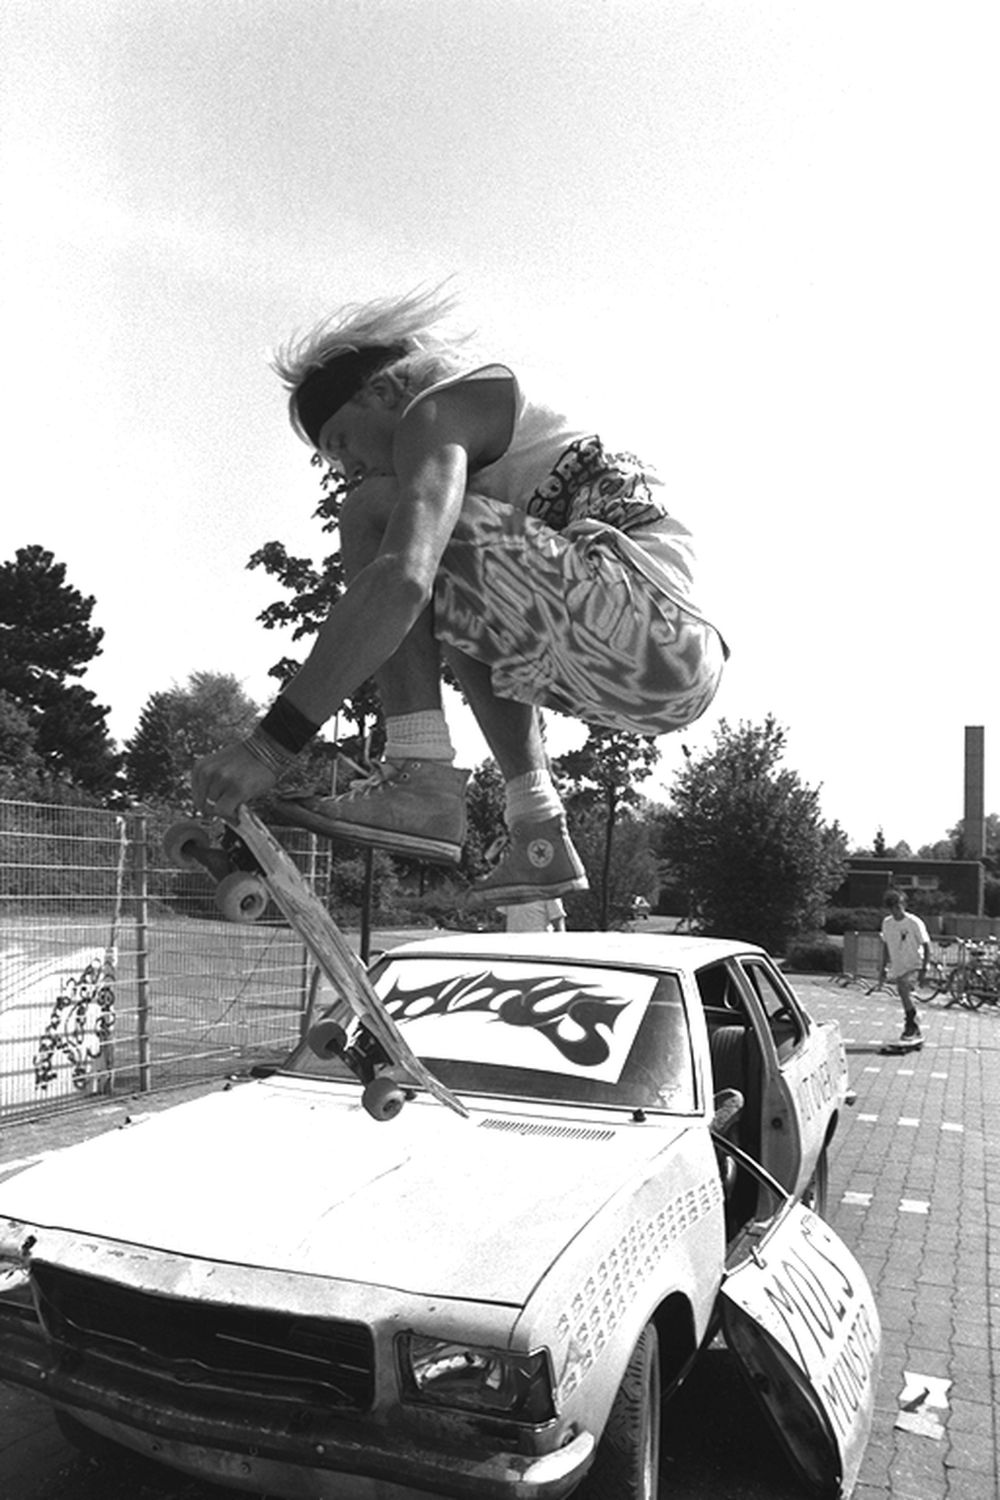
(411, 807)
(539, 863)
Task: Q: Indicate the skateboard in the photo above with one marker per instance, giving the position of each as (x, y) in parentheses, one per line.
(251, 868)
(896, 1049)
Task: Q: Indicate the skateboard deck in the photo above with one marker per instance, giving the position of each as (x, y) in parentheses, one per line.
(892, 1049)
(251, 866)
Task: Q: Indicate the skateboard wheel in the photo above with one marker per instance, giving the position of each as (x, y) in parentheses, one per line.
(241, 897)
(180, 839)
(383, 1099)
(327, 1039)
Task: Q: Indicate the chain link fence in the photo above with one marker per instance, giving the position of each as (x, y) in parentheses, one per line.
(117, 974)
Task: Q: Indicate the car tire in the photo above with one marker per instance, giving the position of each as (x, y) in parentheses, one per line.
(627, 1464)
(817, 1190)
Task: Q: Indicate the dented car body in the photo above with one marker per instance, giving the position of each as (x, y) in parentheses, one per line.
(267, 1288)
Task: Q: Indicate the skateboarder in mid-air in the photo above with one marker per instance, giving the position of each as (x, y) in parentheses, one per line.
(906, 948)
(482, 525)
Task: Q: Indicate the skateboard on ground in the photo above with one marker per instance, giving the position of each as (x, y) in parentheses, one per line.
(894, 1049)
(251, 867)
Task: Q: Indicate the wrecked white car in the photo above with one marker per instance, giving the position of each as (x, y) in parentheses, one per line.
(269, 1289)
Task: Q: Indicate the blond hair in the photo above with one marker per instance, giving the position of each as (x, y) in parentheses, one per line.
(417, 322)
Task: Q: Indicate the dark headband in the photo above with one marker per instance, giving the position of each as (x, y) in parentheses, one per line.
(329, 387)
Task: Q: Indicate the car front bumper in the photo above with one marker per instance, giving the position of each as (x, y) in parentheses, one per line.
(218, 1439)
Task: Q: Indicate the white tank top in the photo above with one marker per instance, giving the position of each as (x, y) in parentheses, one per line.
(562, 474)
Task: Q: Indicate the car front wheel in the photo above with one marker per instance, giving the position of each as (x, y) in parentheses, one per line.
(627, 1463)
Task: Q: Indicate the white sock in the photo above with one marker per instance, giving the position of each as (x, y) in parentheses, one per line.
(419, 736)
(531, 798)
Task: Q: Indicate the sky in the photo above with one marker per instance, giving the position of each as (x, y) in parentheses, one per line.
(755, 243)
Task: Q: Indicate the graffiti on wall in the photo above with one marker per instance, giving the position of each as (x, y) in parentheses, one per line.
(81, 1026)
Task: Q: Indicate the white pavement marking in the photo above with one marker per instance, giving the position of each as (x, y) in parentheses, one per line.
(909, 1121)
(928, 1426)
(924, 1390)
(857, 1200)
(950, 1125)
(914, 1206)
(868, 1119)
(921, 1398)
(19, 1162)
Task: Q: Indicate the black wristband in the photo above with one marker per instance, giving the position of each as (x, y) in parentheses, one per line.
(288, 727)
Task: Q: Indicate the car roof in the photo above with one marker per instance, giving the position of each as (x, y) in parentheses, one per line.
(624, 949)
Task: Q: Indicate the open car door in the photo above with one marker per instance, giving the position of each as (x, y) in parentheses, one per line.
(799, 1315)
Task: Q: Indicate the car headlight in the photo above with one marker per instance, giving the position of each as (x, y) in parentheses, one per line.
(466, 1377)
(15, 1290)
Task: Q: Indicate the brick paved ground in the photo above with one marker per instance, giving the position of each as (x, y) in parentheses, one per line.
(914, 1191)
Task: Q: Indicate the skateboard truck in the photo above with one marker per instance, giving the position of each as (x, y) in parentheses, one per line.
(383, 1097)
(241, 894)
(252, 868)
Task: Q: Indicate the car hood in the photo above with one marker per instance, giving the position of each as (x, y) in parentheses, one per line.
(294, 1176)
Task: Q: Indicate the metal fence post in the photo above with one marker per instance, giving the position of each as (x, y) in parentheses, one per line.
(142, 950)
(305, 982)
(368, 891)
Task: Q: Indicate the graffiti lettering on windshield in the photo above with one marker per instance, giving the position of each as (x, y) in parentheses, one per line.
(572, 1016)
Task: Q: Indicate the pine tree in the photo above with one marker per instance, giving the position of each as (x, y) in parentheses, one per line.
(46, 638)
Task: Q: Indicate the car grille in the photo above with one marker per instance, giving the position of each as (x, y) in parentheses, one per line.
(203, 1344)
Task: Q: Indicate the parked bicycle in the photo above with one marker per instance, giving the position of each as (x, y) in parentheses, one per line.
(975, 980)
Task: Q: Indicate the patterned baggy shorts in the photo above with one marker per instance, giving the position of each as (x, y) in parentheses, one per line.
(565, 623)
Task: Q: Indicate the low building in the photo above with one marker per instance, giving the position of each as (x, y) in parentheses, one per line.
(868, 879)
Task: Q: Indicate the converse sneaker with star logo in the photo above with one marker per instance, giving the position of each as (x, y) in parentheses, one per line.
(539, 863)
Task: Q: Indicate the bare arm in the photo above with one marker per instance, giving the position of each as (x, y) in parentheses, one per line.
(384, 600)
(437, 446)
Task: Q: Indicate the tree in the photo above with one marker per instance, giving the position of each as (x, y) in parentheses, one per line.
(630, 871)
(747, 840)
(176, 727)
(21, 767)
(602, 777)
(953, 847)
(47, 638)
(314, 590)
(484, 804)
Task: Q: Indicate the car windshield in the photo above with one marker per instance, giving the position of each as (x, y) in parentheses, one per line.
(539, 1030)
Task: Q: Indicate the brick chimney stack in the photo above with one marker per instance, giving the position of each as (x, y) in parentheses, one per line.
(974, 821)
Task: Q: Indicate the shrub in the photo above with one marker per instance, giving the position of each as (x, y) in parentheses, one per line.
(447, 904)
(841, 919)
(813, 954)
